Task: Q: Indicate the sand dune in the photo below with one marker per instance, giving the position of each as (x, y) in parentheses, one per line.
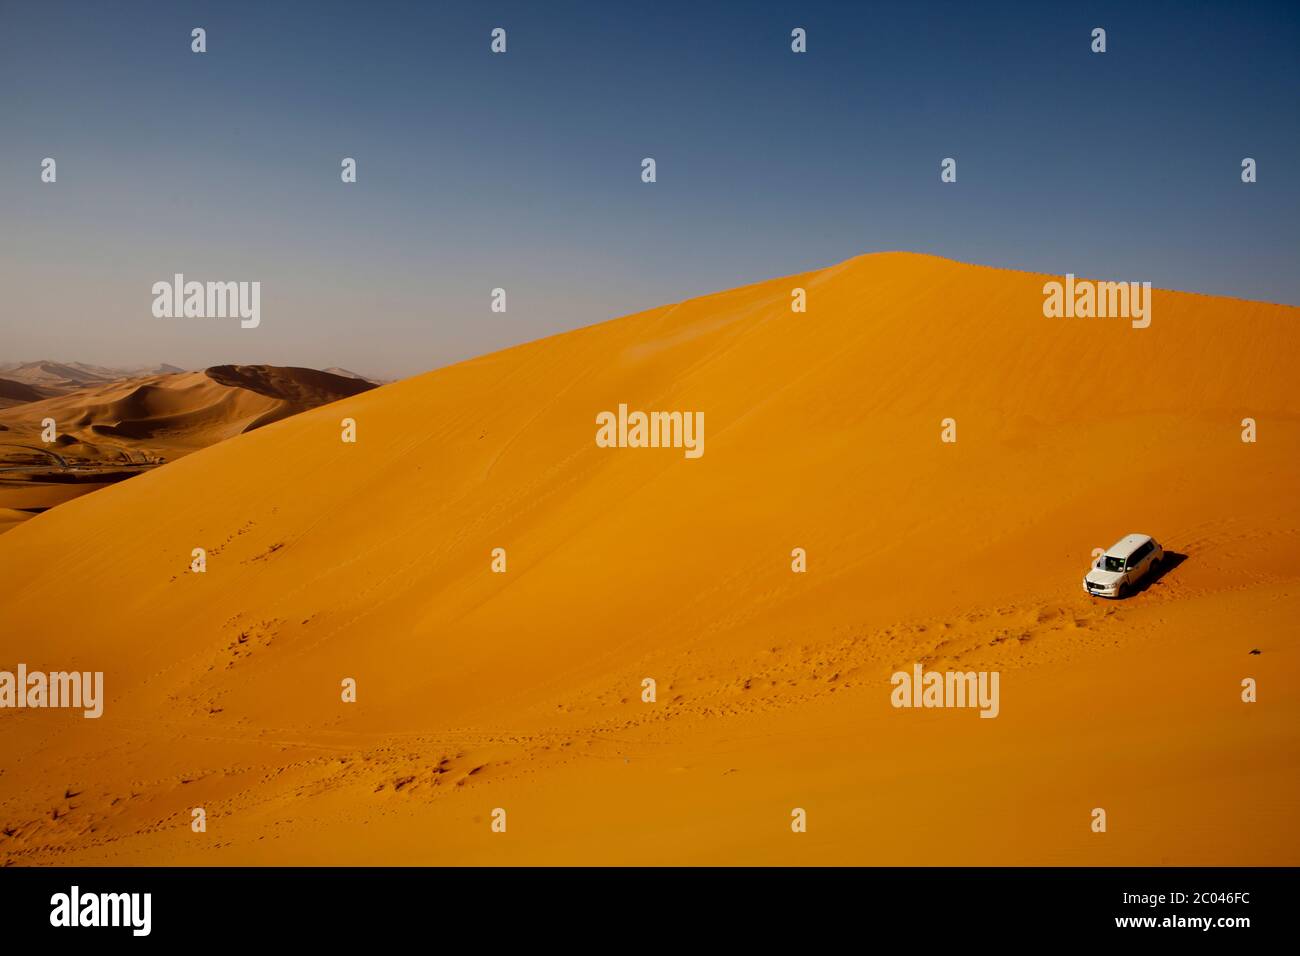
(58, 376)
(106, 430)
(16, 393)
(187, 409)
(522, 690)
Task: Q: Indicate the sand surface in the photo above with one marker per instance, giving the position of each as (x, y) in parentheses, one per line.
(522, 690)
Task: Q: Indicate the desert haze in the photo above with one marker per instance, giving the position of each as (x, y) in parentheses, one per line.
(522, 690)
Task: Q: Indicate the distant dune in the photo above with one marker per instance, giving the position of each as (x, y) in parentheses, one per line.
(54, 378)
(16, 393)
(523, 690)
(149, 419)
(57, 375)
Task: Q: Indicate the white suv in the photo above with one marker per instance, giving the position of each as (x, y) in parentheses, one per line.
(1125, 563)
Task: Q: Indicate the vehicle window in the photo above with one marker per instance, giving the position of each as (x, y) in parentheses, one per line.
(1139, 554)
(1113, 563)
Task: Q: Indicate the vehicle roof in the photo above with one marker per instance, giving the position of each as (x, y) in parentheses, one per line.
(1127, 545)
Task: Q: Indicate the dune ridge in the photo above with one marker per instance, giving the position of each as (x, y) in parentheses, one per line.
(522, 690)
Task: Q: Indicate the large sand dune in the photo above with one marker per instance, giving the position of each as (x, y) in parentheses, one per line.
(522, 690)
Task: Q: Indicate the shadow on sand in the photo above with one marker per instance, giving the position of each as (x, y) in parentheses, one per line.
(1172, 559)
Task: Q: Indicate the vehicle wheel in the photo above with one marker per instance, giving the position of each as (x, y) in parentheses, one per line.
(1123, 591)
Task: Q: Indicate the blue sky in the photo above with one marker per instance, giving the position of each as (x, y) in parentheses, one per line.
(523, 170)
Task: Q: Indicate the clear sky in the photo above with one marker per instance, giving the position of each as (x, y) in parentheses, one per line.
(522, 170)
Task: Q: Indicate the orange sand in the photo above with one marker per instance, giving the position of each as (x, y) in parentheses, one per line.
(522, 690)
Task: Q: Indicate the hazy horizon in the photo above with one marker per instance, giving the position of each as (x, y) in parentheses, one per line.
(522, 170)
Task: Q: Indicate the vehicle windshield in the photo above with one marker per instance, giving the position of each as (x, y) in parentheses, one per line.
(1112, 564)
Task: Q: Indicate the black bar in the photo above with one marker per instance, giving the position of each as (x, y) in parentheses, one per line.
(612, 906)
